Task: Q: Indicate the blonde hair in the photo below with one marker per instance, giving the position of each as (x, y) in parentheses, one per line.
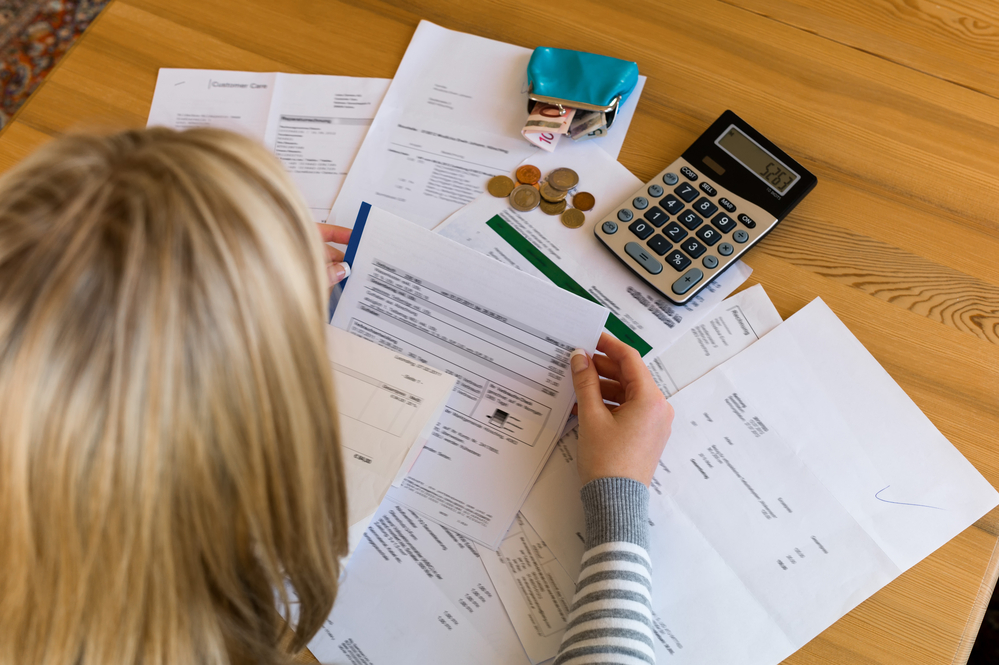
(169, 459)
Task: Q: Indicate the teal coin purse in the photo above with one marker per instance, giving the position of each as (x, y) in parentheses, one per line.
(579, 80)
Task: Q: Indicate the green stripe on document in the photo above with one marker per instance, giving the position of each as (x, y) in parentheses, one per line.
(561, 279)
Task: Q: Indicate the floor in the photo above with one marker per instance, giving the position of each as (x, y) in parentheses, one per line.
(35, 34)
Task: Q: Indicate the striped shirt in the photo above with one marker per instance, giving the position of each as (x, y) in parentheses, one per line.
(610, 621)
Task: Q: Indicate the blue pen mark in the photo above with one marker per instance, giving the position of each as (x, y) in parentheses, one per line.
(900, 503)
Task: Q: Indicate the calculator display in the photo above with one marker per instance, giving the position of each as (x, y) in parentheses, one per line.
(749, 153)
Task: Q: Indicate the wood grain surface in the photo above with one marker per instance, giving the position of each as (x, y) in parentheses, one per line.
(893, 104)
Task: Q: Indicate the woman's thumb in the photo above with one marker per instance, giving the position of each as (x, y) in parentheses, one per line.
(586, 380)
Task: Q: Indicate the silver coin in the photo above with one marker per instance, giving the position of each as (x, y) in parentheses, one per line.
(524, 198)
(563, 179)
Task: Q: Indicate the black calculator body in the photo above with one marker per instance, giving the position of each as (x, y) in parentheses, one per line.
(704, 211)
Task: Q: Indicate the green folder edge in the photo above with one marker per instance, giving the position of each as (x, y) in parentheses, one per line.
(558, 277)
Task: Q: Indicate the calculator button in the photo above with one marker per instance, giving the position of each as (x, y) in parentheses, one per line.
(670, 179)
(747, 221)
(710, 262)
(688, 173)
(687, 282)
(677, 260)
(728, 205)
(705, 207)
(708, 235)
(644, 259)
(740, 236)
(690, 220)
(610, 228)
(725, 249)
(640, 202)
(656, 216)
(642, 229)
(675, 232)
(723, 223)
(708, 189)
(659, 244)
(692, 247)
(655, 191)
(672, 204)
(686, 192)
(625, 215)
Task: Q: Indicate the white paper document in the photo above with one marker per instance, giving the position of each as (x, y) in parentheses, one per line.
(799, 479)
(504, 335)
(314, 124)
(388, 405)
(450, 121)
(573, 258)
(415, 592)
(535, 589)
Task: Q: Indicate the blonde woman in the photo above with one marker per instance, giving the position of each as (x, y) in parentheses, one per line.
(169, 462)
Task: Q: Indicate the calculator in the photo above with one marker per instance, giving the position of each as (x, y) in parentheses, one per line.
(704, 211)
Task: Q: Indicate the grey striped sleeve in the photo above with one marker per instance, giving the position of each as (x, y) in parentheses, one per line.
(610, 621)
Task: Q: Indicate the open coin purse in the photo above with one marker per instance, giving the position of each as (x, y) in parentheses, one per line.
(584, 81)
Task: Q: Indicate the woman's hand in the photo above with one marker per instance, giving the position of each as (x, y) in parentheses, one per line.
(335, 268)
(623, 440)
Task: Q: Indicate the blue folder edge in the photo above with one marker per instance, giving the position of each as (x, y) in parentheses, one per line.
(348, 255)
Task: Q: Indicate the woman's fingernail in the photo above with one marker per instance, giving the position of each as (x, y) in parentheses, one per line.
(578, 360)
(338, 272)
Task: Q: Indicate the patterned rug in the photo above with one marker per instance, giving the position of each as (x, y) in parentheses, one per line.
(34, 34)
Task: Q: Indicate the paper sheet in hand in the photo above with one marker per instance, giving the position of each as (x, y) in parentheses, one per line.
(504, 335)
(313, 123)
(799, 480)
(450, 121)
(574, 259)
(535, 578)
(388, 405)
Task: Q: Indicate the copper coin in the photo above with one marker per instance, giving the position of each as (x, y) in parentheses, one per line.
(550, 208)
(583, 201)
(550, 194)
(528, 175)
(500, 186)
(563, 179)
(524, 198)
(573, 218)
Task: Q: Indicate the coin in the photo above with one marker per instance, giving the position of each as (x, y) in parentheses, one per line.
(528, 175)
(550, 208)
(500, 186)
(550, 194)
(583, 201)
(524, 198)
(563, 179)
(573, 218)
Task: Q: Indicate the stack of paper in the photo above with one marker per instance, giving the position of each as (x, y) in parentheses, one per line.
(314, 124)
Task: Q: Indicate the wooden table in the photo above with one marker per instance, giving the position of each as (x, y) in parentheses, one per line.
(893, 104)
